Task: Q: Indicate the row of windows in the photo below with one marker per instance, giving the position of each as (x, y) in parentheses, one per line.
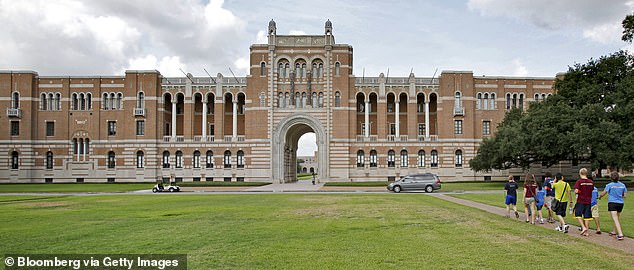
(50, 101)
(541, 97)
(485, 101)
(404, 161)
(112, 101)
(284, 69)
(299, 100)
(209, 163)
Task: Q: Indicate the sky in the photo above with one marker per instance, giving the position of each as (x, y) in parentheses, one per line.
(488, 37)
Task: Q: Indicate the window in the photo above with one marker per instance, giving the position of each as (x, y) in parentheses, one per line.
(166, 159)
(119, 101)
(421, 158)
(458, 100)
(75, 101)
(227, 159)
(262, 69)
(49, 160)
(82, 101)
(421, 129)
(15, 100)
(43, 104)
(434, 159)
(320, 100)
(111, 160)
(514, 100)
(104, 101)
(140, 102)
(179, 159)
(521, 102)
(492, 102)
(196, 161)
(479, 101)
(50, 128)
(390, 159)
(392, 129)
(458, 158)
(14, 160)
(373, 159)
(360, 159)
(337, 99)
(15, 128)
(337, 69)
(508, 101)
(457, 126)
(112, 128)
(240, 159)
(209, 161)
(140, 127)
(486, 101)
(88, 101)
(140, 159)
(486, 128)
(404, 159)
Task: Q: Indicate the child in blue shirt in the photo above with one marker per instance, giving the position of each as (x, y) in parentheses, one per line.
(539, 202)
(594, 206)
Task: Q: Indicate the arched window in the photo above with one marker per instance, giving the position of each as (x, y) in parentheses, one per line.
(88, 101)
(105, 101)
(166, 159)
(43, 103)
(140, 102)
(391, 159)
(82, 101)
(479, 101)
(209, 161)
(280, 99)
(360, 159)
(112, 102)
(514, 100)
(337, 99)
(521, 102)
(337, 69)
(140, 159)
(87, 146)
(486, 101)
(434, 159)
(15, 100)
(240, 159)
(111, 160)
(373, 159)
(119, 101)
(492, 103)
(179, 159)
(304, 100)
(508, 101)
(75, 101)
(49, 160)
(15, 160)
(281, 70)
(262, 69)
(227, 159)
(537, 97)
(457, 100)
(320, 70)
(196, 161)
(315, 70)
(320, 100)
(314, 101)
(458, 158)
(287, 99)
(421, 158)
(404, 159)
(298, 100)
(298, 70)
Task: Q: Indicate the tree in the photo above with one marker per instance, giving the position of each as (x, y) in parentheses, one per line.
(588, 119)
(628, 28)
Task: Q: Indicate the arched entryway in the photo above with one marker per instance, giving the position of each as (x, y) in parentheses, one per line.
(285, 142)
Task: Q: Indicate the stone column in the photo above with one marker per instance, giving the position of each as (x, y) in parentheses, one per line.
(367, 118)
(235, 120)
(85, 145)
(173, 119)
(427, 118)
(397, 115)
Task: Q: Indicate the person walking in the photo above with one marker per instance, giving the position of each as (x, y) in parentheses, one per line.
(594, 207)
(550, 196)
(583, 190)
(616, 192)
(563, 195)
(511, 197)
(530, 191)
(540, 199)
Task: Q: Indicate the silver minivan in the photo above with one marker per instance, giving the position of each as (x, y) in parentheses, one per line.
(425, 181)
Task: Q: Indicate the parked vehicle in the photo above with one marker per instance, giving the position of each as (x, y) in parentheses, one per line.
(426, 181)
(169, 188)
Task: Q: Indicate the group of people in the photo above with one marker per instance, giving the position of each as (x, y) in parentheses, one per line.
(556, 196)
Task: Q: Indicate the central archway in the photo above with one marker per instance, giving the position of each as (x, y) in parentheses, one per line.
(285, 139)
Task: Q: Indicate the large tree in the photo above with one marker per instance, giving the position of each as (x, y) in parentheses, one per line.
(589, 119)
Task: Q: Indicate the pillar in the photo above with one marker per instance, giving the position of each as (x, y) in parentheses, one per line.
(427, 118)
(204, 127)
(173, 119)
(397, 115)
(235, 119)
(367, 118)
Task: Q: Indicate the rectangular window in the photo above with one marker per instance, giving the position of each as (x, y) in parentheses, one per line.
(50, 128)
(112, 128)
(140, 127)
(392, 129)
(110, 180)
(209, 179)
(196, 179)
(227, 179)
(421, 129)
(457, 126)
(486, 128)
(48, 180)
(15, 128)
(239, 179)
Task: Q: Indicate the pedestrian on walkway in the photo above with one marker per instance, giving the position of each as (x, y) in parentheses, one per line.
(530, 191)
(563, 195)
(313, 178)
(511, 196)
(539, 202)
(583, 190)
(550, 196)
(594, 207)
(616, 192)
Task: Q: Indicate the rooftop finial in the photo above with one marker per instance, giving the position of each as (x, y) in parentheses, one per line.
(272, 27)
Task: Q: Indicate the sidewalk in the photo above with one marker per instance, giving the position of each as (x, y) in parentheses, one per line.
(626, 245)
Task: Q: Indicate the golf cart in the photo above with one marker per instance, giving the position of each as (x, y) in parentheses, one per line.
(172, 187)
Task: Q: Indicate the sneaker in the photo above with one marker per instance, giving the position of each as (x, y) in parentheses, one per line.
(541, 221)
(558, 228)
(580, 229)
(566, 227)
(620, 237)
(517, 215)
(598, 232)
(612, 233)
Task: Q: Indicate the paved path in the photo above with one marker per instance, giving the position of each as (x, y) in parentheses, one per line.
(604, 239)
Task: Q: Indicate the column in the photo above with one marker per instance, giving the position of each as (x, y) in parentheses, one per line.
(367, 118)
(173, 119)
(204, 127)
(85, 146)
(235, 120)
(397, 115)
(78, 145)
(427, 118)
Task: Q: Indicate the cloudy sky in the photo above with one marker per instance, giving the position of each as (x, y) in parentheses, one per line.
(489, 37)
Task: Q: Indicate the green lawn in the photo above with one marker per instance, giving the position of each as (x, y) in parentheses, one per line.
(627, 216)
(291, 231)
(74, 187)
(446, 186)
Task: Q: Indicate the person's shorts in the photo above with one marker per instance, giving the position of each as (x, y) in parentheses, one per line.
(618, 207)
(548, 202)
(529, 200)
(595, 210)
(583, 210)
(511, 200)
(561, 209)
(539, 207)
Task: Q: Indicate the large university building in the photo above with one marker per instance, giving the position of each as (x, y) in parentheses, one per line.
(143, 126)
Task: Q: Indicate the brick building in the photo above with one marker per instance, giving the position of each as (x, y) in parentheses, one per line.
(145, 127)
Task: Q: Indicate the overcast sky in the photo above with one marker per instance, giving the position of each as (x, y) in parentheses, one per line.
(488, 37)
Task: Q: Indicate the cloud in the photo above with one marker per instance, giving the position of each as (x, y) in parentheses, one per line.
(296, 33)
(261, 37)
(518, 68)
(597, 20)
(168, 65)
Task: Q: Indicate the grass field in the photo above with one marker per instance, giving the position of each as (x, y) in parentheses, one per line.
(290, 231)
(627, 216)
(74, 187)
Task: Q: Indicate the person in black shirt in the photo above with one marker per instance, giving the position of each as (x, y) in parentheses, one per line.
(511, 197)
